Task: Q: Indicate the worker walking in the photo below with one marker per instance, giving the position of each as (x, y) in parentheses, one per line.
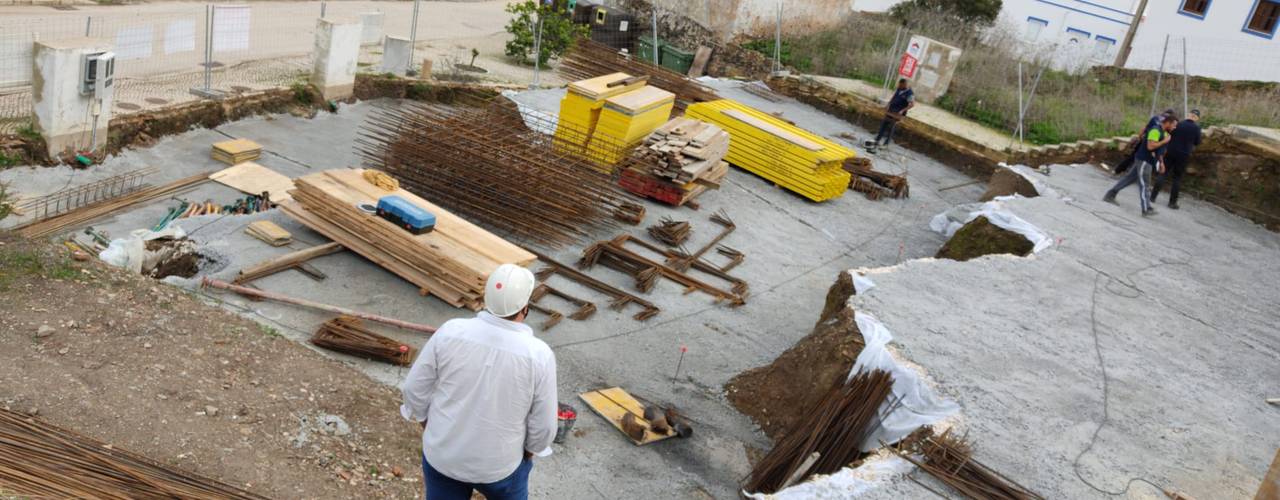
(1147, 159)
(1136, 143)
(903, 100)
(484, 391)
(1186, 136)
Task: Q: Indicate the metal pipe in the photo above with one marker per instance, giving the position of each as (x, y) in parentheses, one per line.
(253, 292)
(777, 41)
(1186, 110)
(656, 52)
(1155, 96)
(1019, 130)
(208, 46)
(413, 33)
(537, 53)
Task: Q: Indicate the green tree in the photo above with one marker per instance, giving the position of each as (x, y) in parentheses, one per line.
(982, 12)
(558, 30)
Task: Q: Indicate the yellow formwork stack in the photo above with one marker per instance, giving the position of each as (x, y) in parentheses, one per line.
(790, 156)
(582, 104)
(626, 120)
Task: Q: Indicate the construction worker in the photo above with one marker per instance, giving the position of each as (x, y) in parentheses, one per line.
(1147, 159)
(484, 391)
(1152, 122)
(1185, 139)
(903, 100)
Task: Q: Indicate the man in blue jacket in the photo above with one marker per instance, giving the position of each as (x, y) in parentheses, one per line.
(1148, 159)
(903, 99)
(1185, 139)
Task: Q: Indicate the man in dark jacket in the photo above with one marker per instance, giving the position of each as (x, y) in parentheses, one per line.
(1136, 142)
(1147, 160)
(1185, 139)
(903, 99)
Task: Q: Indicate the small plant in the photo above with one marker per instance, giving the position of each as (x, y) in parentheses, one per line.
(474, 54)
(8, 160)
(558, 31)
(6, 205)
(302, 93)
(269, 330)
(28, 131)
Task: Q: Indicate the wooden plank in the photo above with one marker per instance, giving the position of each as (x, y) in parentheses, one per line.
(237, 147)
(640, 100)
(700, 59)
(252, 178)
(598, 88)
(613, 403)
(269, 232)
(286, 261)
(773, 129)
(1270, 489)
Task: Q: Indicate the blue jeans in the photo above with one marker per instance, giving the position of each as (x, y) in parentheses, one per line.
(442, 487)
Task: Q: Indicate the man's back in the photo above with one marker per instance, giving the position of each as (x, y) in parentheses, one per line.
(1185, 137)
(486, 388)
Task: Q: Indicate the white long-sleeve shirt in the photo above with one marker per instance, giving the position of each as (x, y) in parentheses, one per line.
(486, 387)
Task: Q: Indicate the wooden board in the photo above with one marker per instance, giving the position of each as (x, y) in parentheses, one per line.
(774, 129)
(237, 146)
(613, 403)
(269, 232)
(700, 59)
(1270, 489)
(598, 88)
(252, 178)
(640, 100)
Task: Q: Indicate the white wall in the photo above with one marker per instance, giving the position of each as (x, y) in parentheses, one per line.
(874, 5)
(1075, 34)
(1217, 45)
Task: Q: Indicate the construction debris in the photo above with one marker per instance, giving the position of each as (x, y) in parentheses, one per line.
(590, 59)
(980, 237)
(88, 213)
(620, 298)
(269, 232)
(630, 213)
(236, 151)
(949, 459)
(452, 262)
(872, 183)
(347, 334)
(40, 460)
(255, 293)
(789, 156)
(491, 165)
(670, 232)
(834, 431)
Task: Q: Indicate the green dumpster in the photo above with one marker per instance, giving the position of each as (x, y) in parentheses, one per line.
(675, 59)
(644, 49)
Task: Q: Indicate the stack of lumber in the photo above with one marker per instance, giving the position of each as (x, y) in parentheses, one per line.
(789, 156)
(452, 262)
(270, 233)
(236, 151)
(683, 149)
(603, 118)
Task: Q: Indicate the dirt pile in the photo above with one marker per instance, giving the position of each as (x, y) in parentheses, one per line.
(980, 237)
(1005, 182)
(778, 395)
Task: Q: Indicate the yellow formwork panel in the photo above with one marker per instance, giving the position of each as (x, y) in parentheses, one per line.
(792, 157)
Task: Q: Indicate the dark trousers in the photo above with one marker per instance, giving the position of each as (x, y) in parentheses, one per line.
(442, 487)
(886, 130)
(1174, 166)
(1128, 159)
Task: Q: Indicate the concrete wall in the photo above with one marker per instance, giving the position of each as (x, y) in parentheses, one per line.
(395, 55)
(371, 28)
(336, 51)
(63, 116)
(1218, 45)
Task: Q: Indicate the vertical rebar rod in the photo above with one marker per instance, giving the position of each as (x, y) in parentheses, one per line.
(777, 41)
(413, 33)
(1019, 130)
(1155, 96)
(208, 47)
(656, 51)
(537, 53)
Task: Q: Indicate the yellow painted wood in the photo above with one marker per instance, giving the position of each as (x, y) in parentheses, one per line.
(613, 403)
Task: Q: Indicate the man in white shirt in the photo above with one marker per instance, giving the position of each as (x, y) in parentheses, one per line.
(484, 391)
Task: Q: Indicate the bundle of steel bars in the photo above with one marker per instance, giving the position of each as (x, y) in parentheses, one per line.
(495, 167)
(38, 460)
(348, 335)
(590, 59)
(949, 458)
(834, 431)
(874, 183)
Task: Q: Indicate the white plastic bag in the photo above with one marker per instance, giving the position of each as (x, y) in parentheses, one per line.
(947, 223)
(130, 253)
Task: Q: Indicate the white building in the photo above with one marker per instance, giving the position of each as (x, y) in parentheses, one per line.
(1224, 39)
(1074, 34)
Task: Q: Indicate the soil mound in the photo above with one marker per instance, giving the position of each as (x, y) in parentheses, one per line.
(779, 395)
(1005, 182)
(980, 237)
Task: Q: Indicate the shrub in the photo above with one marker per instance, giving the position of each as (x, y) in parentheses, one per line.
(558, 31)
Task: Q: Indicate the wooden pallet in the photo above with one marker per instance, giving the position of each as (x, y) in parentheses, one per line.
(613, 403)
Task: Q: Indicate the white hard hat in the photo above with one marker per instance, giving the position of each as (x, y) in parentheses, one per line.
(508, 290)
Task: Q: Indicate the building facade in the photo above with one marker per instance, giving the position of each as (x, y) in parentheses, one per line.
(1073, 34)
(1224, 39)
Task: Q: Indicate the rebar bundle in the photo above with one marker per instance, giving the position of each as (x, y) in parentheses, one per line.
(874, 183)
(834, 431)
(348, 335)
(590, 59)
(496, 167)
(39, 460)
(949, 458)
(670, 232)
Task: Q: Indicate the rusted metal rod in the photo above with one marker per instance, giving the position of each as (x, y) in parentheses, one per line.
(275, 297)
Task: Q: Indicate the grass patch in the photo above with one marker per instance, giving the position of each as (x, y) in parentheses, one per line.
(28, 131)
(1100, 102)
(9, 161)
(269, 331)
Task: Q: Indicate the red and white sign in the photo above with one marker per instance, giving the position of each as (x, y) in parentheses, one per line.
(907, 68)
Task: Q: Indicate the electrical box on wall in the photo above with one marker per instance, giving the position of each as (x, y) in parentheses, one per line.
(97, 73)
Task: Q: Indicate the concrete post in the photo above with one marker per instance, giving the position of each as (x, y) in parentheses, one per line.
(66, 118)
(336, 52)
(371, 27)
(395, 55)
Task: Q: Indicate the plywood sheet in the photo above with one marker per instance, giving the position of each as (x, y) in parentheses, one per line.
(641, 99)
(598, 88)
(252, 178)
(613, 403)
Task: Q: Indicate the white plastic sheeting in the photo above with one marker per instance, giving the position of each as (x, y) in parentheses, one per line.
(912, 404)
(846, 482)
(947, 223)
(861, 284)
(130, 253)
(536, 119)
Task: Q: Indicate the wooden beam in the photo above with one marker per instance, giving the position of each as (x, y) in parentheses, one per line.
(286, 261)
